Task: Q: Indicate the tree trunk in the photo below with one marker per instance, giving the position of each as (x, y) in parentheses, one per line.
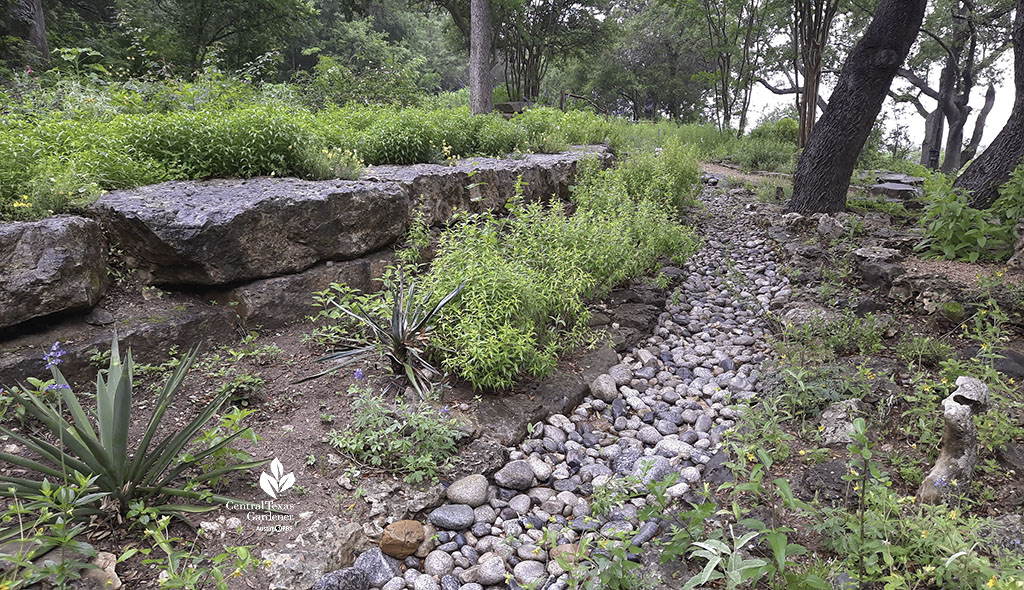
(480, 57)
(934, 125)
(823, 172)
(993, 167)
(957, 117)
(31, 11)
(979, 126)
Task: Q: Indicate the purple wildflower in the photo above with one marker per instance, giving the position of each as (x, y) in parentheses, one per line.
(358, 374)
(939, 482)
(446, 409)
(56, 387)
(52, 358)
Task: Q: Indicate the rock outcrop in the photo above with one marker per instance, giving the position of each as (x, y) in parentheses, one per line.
(479, 184)
(50, 266)
(223, 231)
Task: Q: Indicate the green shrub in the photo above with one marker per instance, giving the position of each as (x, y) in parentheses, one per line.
(527, 276)
(769, 155)
(496, 137)
(784, 130)
(955, 231)
(406, 138)
(250, 141)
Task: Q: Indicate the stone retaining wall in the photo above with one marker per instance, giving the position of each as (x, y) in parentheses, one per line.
(229, 254)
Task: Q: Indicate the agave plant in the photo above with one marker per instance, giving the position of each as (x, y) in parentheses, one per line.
(402, 342)
(125, 470)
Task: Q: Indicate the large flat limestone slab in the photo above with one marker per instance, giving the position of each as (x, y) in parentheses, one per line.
(218, 232)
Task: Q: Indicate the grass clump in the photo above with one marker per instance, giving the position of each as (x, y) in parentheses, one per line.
(821, 340)
(922, 351)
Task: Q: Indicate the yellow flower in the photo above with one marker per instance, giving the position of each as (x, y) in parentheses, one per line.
(991, 582)
(924, 533)
(952, 514)
(803, 452)
(750, 456)
(821, 429)
(945, 380)
(913, 445)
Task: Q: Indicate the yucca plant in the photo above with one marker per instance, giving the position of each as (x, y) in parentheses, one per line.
(124, 469)
(402, 342)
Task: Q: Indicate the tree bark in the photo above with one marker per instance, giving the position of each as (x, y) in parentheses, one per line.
(31, 11)
(824, 169)
(993, 167)
(480, 57)
(934, 125)
(979, 125)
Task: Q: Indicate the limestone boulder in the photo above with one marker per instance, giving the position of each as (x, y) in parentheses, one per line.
(224, 231)
(480, 184)
(49, 266)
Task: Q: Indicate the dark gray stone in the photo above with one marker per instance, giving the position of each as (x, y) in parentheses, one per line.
(222, 231)
(350, 578)
(453, 517)
(49, 266)
(379, 568)
(272, 303)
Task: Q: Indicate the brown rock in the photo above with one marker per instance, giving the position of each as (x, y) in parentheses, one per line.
(568, 552)
(101, 577)
(429, 541)
(401, 539)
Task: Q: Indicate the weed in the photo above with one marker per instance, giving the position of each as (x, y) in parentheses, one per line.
(415, 441)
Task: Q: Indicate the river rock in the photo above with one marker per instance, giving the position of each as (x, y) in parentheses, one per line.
(470, 490)
(401, 539)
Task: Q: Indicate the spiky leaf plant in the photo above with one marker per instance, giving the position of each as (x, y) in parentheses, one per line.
(402, 340)
(126, 470)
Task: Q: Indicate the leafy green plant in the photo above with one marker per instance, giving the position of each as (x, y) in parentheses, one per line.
(416, 441)
(229, 425)
(954, 230)
(726, 562)
(43, 523)
(241, 388)
(124, 469)
(192, 568)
